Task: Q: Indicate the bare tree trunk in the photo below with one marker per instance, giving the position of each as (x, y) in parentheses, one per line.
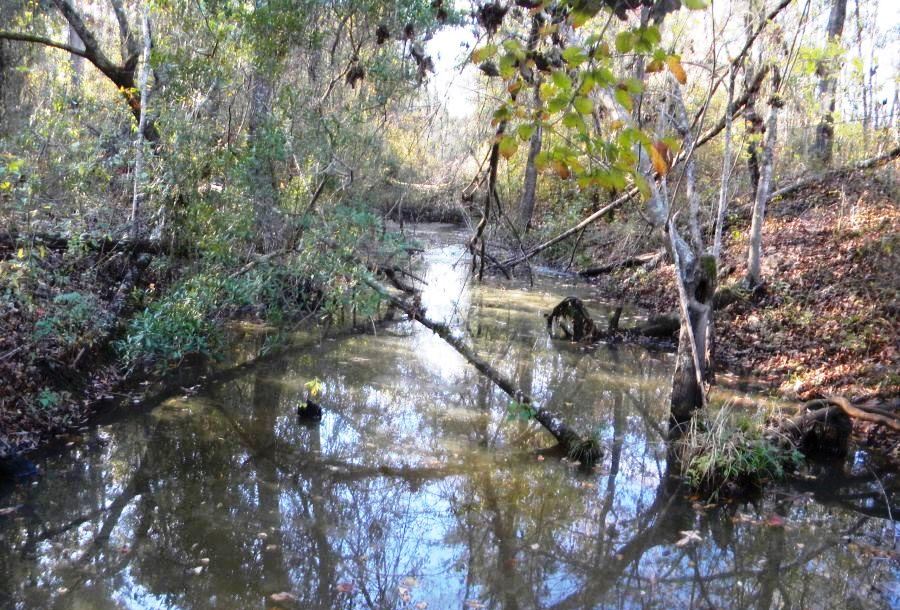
(726, 172)
(261, 172)
(137, 199)
(695, 279)
(754, 255)
(828, 72)
(76, 62)
(526, 203)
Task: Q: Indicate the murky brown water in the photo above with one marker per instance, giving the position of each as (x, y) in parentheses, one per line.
(416, 488)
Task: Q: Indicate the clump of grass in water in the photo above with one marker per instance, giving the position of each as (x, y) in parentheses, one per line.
(732, 451)
(586, 452)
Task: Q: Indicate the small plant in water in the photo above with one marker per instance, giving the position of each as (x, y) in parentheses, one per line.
(519, 411)
(314, 387)
(728, 450)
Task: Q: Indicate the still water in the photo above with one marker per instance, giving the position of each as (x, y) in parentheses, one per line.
(417, 491)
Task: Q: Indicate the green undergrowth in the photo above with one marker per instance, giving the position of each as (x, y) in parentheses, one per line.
(731, 450)
(318, 277)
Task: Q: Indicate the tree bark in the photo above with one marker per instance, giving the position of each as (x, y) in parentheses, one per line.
(262, 172)
(754, 255)
(138, 195)
(695, 279)
(828, 71)
(526, 203)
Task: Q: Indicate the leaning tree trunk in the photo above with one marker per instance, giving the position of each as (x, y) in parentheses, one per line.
(827, 71)
(754, 255)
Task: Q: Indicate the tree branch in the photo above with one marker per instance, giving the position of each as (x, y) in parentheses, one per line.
(4, 35)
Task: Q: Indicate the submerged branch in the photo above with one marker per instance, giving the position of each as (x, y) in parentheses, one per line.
(584, 450)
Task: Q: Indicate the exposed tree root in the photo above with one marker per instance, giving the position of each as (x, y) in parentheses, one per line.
(823, 426)
(571, 319)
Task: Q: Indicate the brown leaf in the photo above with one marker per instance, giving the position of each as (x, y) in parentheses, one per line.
(659, 154)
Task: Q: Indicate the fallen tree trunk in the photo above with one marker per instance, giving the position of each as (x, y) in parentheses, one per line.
(640, 260)
(586, 451)
(871, 163)
(12, 240)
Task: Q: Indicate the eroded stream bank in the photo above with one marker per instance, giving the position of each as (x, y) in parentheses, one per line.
(417, 489)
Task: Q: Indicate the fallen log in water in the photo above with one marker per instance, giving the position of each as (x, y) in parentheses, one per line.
(586, 451)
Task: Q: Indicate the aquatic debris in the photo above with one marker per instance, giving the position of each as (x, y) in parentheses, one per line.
(283, 598)
(309, 411)
(688, 537)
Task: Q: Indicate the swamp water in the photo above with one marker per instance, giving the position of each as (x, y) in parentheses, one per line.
(416, 490)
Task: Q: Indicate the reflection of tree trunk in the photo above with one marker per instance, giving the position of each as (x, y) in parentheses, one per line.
(772, 572)
(665, 517)
(504, 535)
(266, 400)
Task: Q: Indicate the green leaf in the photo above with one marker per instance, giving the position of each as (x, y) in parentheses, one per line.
(696, 5)
(573, 120)
(484, 53)
(514, 47)
(624, 41)
(508, 66)
(604, 76)
(587, 84)
(557, 104)
(562, 80)
(508, 146)
(583, 104)
(525, 131)
(547, 91)
(574, 56)
(580, 17)
(623, 97)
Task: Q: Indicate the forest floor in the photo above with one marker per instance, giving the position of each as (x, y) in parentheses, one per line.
(55, 327)
(827, 320)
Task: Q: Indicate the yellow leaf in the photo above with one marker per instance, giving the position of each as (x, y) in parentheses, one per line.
(561, 170)
(20, 254)
(658, 153)
(674, 63)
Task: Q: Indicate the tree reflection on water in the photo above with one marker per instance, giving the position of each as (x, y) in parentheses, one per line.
(417, 489)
